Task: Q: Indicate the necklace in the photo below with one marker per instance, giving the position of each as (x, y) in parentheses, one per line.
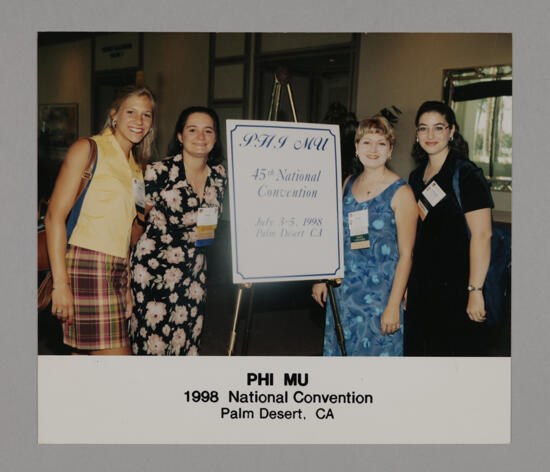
(375, 185)
(198, 181)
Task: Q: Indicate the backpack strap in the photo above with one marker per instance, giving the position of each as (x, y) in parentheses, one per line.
(456, 186)
(456, 189)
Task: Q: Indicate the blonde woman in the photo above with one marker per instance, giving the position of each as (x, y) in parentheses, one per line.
(379, 229)
(91, 293)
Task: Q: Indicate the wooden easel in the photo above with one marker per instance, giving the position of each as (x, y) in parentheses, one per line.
(282, 79)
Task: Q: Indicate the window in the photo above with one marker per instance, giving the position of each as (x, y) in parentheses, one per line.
(482, 100)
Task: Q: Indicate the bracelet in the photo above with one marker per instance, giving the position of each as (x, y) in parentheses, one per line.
(62, 285)
(471, 288)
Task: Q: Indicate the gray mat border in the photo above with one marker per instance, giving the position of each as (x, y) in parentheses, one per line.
(527, 20)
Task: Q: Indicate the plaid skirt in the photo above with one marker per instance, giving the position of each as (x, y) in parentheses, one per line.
(99, 282)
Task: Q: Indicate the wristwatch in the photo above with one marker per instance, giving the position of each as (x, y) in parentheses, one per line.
(471, 288)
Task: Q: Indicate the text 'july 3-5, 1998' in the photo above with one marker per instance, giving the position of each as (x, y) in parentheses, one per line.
(294, 401)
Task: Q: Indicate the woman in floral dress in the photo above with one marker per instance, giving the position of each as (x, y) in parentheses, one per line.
(168, 271)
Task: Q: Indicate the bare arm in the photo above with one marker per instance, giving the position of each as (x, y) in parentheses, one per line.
(479, 223)
(406, 216)
(61, 202)
(138, 225)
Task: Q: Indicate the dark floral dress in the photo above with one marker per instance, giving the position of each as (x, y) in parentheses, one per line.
(168, 271)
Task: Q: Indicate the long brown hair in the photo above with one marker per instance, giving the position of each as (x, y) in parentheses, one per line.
(143, 150)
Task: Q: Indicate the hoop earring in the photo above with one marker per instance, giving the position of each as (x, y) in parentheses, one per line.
(114, 123)
(451, 138)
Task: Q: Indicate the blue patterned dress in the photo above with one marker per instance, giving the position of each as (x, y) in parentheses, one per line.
(368, 281)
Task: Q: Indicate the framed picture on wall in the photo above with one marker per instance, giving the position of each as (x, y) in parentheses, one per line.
(57, 126)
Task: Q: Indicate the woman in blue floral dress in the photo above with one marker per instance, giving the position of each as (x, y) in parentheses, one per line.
(168, 271)
(379, 228)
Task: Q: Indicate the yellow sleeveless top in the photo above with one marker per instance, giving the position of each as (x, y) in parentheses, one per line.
(105, 220)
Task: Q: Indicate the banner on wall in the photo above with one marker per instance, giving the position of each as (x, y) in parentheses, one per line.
(285, 200)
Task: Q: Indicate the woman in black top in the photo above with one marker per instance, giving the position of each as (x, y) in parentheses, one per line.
(445, 305)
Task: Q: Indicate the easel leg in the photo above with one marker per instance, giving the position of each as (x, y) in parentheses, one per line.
(235, 317)
(337, 323)
(275, 99)
(249, 319)
(289, 90)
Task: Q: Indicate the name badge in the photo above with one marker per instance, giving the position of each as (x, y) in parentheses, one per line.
(207, 220)
(359, 229)
(139, 194)
(432, 194)
(422, 210)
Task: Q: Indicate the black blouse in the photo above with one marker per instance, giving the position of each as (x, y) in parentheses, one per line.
(441, 253)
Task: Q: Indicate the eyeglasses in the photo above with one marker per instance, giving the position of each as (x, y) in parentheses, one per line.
(437, 129)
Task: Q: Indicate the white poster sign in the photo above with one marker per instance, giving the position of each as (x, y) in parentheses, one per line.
(286, 201)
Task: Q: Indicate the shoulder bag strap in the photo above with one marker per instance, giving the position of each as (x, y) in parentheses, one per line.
(90, 169)
(84, 184)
